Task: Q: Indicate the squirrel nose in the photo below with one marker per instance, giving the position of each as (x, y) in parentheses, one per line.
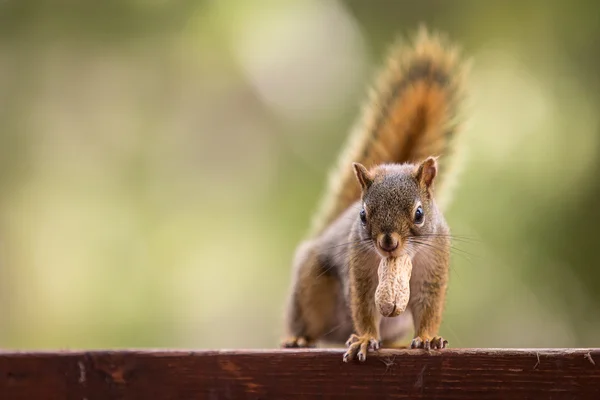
(388, 242)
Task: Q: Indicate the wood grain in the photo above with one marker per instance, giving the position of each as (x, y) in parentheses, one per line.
(302, 374)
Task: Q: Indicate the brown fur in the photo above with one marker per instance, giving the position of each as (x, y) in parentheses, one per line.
(412, 113)
(409, 119)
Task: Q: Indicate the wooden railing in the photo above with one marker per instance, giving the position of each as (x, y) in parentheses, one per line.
(302, 374)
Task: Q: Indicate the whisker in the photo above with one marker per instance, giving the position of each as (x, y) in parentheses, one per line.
(335, 328)
(429, 245)
(360, 247)
(458, 238)
(347, 243)
(437, 249)
(428, 240)
(452, 249)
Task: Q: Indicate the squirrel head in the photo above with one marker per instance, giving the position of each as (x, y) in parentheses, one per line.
(397, 204)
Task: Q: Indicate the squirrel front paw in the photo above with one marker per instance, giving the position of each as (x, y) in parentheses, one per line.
(359, 345)
(296, 342)
(436, 342)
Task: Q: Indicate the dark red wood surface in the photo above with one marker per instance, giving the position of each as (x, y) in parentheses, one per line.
(302, 374)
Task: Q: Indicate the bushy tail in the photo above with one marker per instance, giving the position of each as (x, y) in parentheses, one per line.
(412, 113)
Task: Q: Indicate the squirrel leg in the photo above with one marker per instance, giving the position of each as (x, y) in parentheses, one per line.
(427, 315)
(364, 315)
(311, 306)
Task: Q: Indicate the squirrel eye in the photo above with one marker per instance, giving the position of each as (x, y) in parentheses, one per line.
(419, 215)
(363, 216)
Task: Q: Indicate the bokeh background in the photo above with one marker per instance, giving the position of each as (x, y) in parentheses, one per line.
(160, 160)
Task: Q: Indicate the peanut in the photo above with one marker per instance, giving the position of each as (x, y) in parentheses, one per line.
(393, 290)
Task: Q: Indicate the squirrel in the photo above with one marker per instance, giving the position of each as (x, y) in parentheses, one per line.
(380, 203)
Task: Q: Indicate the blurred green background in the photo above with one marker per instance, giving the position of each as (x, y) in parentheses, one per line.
(160, 160)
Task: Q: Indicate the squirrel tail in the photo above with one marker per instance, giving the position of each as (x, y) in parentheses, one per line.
(413, 112)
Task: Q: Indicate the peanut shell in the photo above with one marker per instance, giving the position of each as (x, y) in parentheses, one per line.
(393, 290)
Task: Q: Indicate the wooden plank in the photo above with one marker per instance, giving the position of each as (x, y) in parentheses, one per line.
(302, 374)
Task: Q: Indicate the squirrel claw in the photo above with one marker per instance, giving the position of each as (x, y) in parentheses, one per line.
(353, 339)
(359, 346)
(435, 343)
(297, 342)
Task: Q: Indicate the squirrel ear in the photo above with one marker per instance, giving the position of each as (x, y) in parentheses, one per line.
(364, 177)
(427, 171)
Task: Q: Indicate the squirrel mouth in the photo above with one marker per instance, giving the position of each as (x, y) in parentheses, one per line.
(388, 243)
(390, 249)
(389, 252)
